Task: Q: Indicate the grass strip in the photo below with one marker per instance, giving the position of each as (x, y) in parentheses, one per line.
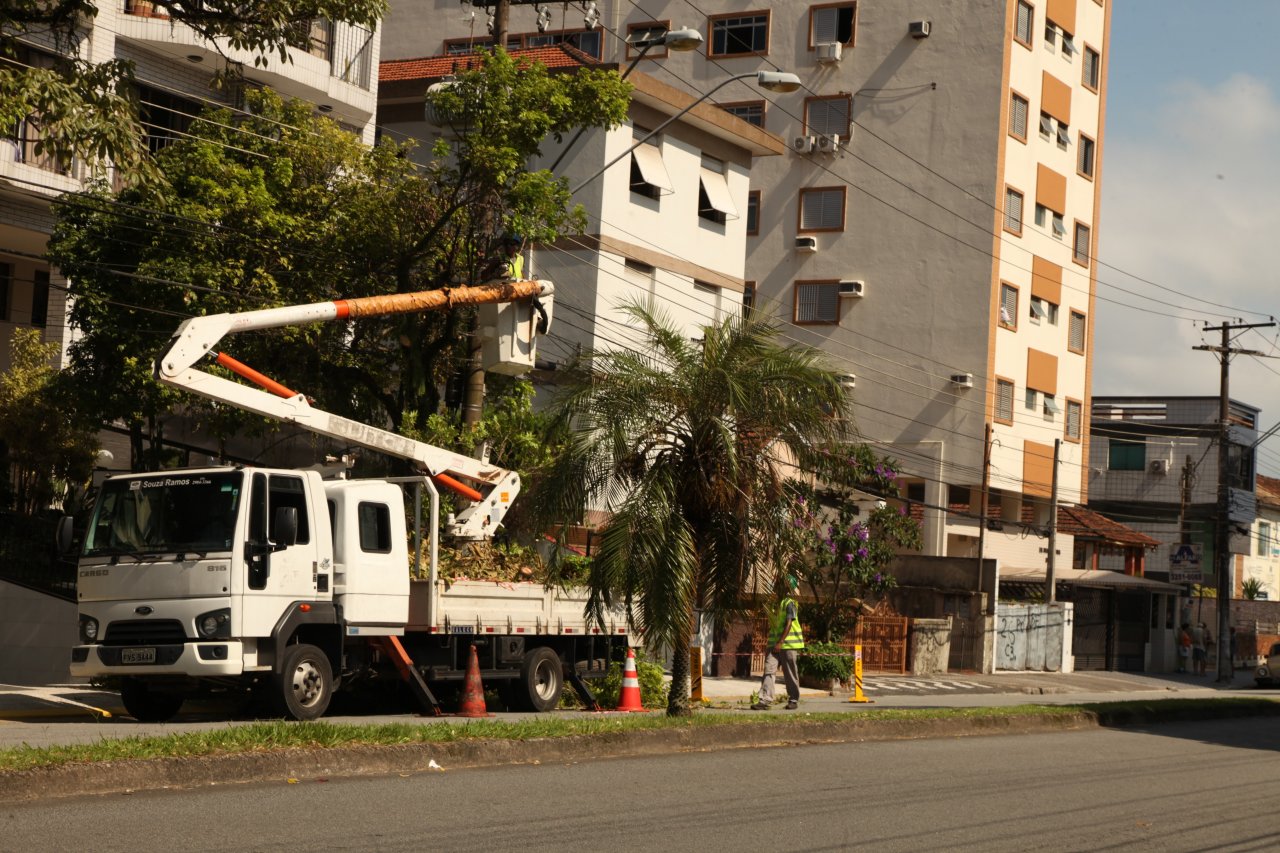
(279, 735)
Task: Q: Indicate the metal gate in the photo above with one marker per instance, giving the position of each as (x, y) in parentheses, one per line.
(884, 643)
(966, 645)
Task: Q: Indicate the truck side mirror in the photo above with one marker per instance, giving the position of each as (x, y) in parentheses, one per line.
(285, 526)
(62, 537)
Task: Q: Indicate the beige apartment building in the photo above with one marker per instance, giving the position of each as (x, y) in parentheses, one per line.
(932, 227)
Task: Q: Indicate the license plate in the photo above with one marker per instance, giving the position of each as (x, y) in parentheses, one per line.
(147, 655)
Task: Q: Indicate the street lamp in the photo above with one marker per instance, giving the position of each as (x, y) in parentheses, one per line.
(774, 81)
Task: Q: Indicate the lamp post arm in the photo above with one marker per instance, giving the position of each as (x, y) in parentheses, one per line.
(663, 127)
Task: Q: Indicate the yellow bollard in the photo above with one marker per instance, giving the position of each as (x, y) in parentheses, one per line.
(695, 674)
(858, 695)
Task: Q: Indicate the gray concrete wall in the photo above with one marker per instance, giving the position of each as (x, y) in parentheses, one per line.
(930, 646)
(37, 632)
(1033, 637)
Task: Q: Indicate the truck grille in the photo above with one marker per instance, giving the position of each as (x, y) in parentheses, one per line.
(145, 632)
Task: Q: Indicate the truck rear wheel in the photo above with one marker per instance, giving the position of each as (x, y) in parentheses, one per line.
(541, 680)
(304, 684)
(147, 705)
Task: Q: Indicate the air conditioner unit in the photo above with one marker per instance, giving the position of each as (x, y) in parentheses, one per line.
(828, 52)
(848, 380)
(806, 244)
(829, 143)
(962, 380)
(919, 29)
(802, 144)
(849, 288)
(1158, 466)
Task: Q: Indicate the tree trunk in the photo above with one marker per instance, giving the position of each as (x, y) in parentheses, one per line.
(678, 697)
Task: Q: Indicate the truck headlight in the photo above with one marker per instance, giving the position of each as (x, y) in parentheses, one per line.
(88, 629)
(214, 625)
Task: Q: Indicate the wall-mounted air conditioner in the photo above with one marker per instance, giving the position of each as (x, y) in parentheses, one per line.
(848, 380)
(919, 29)
(829, 143)
(962, 380)
(850, 289)
(802, 144)
(806, 244)
(1158, 466)
(828, 52)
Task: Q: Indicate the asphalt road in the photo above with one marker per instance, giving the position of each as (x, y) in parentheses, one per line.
(1193, 786)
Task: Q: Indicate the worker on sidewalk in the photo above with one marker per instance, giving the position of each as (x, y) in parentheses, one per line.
(786, 640)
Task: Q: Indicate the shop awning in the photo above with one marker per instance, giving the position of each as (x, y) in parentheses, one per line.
(1088, 577)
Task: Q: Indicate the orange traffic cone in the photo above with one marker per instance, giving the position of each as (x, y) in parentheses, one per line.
(629, 698)
(472, 704)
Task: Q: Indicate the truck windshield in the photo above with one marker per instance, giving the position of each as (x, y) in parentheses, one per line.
(166, 513)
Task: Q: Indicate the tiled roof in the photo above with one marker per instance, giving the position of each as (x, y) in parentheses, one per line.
(1268, 490)
(435, 67)
(1087, 524)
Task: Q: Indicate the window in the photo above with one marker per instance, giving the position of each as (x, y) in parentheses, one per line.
(374, 521)
(752, 112)
(1055, 38)
(1012, 210)
(587, 41)
(314, 36)
(714, 202)
(1019, 110)
(1004, 401)
(1075, 333)
(40, 299)
(1050, 407)
(1125, 454)
(1064, 136)
(822, 209)
(641, 277)
(748, 298)
(1264, 539)
(753, 212)
(1084, 158)
(1075, 413)
(6, 287)
(1022, 27)
(817, 302)
(832, 24)
(649, 176)
(165, 116)
(1046, 126)
(1080, 253)
(1008, 306)
(1043, 309)
(1030, 399)
(828, 115)
(1046, 218)
(1092, 68)
(647, 30)
(735, 35)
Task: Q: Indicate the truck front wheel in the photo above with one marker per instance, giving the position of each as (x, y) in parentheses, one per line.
(541, 680)
(304, 684)
(147, 705)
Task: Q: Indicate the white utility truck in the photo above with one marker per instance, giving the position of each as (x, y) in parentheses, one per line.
(296, 583)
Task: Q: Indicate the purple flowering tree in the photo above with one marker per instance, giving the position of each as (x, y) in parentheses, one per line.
(843, 538)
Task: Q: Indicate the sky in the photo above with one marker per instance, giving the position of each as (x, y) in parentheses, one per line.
(1190, 202)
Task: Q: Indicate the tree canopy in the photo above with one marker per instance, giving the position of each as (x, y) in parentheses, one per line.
(686, 445)
(281, 206)
(88, 109)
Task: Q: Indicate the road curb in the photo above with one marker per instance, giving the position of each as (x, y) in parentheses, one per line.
(312, 765)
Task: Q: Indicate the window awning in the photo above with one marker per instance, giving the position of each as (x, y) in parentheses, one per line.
(648, 159)
(1088, 578)
(717, 190)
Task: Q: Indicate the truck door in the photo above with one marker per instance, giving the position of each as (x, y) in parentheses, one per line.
(276, 578)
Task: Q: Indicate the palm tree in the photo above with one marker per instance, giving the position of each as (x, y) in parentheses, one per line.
(685, 444)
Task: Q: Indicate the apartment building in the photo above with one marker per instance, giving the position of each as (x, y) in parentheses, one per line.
(932, 227)
(330, 65)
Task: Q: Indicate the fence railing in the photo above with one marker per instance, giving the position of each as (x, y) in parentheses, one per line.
(28, 555)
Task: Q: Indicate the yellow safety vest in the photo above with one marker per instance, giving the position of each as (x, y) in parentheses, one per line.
(792, 636)
(515, 267)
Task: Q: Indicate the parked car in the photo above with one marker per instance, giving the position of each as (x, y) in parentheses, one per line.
(1268, 675)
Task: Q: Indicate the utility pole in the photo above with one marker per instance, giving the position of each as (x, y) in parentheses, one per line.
(1050, 582)
(1222, 537)
(982, 505)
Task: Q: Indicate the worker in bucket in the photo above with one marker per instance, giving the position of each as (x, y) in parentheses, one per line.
(786, 640)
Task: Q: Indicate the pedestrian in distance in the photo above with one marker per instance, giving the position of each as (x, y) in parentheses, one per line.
(1199, 644)
(1184, 647)
(786, 641)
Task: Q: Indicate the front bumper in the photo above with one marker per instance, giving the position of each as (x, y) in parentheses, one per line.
(197, 660)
